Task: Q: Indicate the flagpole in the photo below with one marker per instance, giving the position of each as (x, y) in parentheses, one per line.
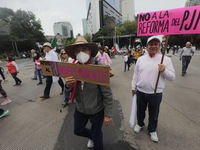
(163, 54)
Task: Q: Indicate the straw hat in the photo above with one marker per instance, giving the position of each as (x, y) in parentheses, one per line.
(70, 49)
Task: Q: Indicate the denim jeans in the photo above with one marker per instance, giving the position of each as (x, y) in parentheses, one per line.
(39, 73)
(95, 133)
(66, 96)
(152, 101)
(35, 74)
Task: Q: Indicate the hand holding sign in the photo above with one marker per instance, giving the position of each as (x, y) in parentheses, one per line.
(70, 81)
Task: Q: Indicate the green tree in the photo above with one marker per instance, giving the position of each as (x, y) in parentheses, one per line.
(25, 29)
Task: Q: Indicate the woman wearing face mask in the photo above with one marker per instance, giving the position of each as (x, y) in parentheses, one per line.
(93, 102)
(65, 58)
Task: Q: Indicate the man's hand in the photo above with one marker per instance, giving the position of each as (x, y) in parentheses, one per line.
(161, 67)
(133, 92)
(107, 120)
(70, 81)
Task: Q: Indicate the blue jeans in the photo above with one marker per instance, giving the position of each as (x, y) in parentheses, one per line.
(35, 74)
(39, 73)
(153, 102)
(95, 133)
(66, 96)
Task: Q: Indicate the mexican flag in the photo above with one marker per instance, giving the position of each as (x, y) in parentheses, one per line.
(54, 42)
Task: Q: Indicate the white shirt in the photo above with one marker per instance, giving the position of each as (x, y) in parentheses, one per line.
(125, 58)
(51, 55)
(146, 73)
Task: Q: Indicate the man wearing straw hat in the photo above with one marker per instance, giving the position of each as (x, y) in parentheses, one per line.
(93, 102)
(144, 81)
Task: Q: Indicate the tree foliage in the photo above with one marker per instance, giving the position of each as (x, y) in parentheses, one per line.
(24, 28)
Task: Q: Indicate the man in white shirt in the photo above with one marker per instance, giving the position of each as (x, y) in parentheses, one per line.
(144, 81)
(51, 56)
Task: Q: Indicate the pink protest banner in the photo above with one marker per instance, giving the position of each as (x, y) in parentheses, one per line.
(173, 21)
(87, 73)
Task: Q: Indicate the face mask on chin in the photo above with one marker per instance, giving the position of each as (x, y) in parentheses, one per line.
(82, 57)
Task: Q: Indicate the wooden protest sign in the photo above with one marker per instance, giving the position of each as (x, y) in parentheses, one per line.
(88, 73)
(166, 22)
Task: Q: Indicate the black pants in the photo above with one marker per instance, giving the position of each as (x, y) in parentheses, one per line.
(17, 80)
(95, 133)
(2, 91)
(153, 102)
(49, 82)
(185, 63)
(126, 64)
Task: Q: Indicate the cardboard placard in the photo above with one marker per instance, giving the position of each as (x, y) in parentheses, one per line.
(88, 73)
(173, 21)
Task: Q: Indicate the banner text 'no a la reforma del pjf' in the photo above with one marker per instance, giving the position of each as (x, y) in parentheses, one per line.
(174, 21)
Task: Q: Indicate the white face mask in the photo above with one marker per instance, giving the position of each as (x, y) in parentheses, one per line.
(82, 57)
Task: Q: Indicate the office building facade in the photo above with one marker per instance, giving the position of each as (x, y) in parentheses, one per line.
(63, 28)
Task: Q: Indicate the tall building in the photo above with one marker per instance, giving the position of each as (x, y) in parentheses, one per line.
(127, 10)
(84, 23)
(101, 13)
(108, 12)
(192, 3)
(63, 28)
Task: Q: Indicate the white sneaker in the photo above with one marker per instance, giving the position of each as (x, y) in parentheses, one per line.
(137, 128)
(90, 144)
(154, 136)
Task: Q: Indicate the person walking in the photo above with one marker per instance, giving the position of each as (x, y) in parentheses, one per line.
(13, 69)
(186, 56)
(126, 56)
(65, 58)
(104, 58)
(93, 102)
(144, 81)
(51, 56)
(37, 57)
(2, 91)
(35, 70)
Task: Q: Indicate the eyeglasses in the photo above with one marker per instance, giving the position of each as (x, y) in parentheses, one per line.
(63, 53)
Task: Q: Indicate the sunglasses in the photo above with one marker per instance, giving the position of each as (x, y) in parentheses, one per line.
(63, 53)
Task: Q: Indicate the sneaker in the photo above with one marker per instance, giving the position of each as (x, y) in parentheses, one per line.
(137, 128)
(6, 101)
(4, 113)
(154, 136)
(90, 144)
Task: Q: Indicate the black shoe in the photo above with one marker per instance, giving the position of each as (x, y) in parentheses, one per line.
(39, 83)
(64, 104)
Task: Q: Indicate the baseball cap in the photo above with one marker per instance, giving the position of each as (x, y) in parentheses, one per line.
(153, 38)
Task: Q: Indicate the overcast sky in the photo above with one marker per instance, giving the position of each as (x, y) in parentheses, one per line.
(74, 10)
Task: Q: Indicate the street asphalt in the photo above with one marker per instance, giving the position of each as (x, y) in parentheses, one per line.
(33, 124)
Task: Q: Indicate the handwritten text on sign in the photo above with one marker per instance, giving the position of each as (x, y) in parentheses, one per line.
(88, 73)
(174, 21)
